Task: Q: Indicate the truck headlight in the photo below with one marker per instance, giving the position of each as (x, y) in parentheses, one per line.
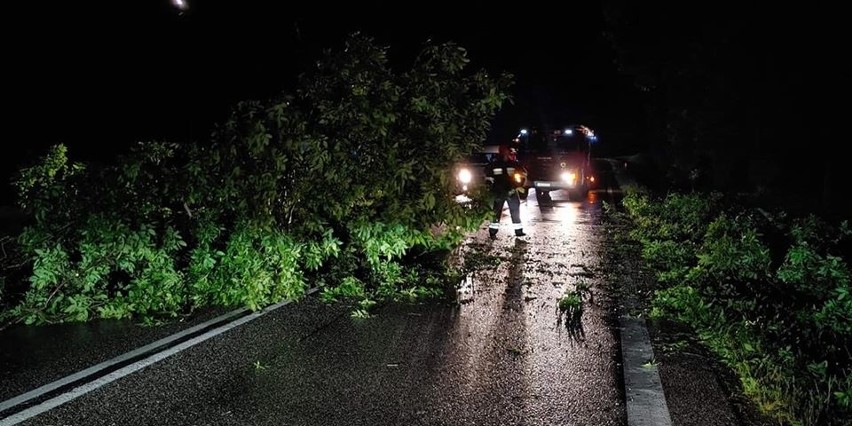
(568, 177)
(464, 176)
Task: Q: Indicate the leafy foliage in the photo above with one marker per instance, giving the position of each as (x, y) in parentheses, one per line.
(769, 294)
(343, 182)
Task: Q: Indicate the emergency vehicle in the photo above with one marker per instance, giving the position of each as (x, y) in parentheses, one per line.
(558, 160)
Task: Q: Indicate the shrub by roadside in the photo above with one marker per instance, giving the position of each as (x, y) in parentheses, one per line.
(765, 292)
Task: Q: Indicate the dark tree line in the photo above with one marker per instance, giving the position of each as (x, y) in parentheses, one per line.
(741, 98)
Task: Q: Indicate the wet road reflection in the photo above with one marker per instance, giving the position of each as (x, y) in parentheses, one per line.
(500, 354)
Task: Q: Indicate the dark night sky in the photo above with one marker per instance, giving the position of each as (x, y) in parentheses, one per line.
(98, 76)
(101, 75)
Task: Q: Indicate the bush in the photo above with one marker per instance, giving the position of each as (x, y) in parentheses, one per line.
(338, 180)
(784, 327)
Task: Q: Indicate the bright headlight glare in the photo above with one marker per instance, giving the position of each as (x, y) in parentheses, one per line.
(465, 176)
(568, 177)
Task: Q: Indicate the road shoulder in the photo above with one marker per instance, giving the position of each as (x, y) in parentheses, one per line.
(698, 389)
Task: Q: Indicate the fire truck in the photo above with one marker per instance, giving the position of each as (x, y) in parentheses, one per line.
(558, 160)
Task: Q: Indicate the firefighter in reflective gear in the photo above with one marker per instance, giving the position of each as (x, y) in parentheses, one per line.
(506, 177)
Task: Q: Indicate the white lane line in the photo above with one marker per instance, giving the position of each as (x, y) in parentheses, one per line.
(646, 401)
(131, 368)
(35, 393)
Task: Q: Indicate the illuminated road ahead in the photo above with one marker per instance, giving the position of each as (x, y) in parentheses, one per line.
(496, 358)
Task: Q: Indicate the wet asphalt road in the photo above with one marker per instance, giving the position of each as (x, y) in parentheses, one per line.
(498, 358)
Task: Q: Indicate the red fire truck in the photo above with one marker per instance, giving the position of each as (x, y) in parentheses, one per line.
(558, 159)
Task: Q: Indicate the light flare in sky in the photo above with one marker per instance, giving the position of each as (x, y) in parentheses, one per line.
(180, 4)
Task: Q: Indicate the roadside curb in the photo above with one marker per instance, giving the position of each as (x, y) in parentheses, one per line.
(645, 399)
